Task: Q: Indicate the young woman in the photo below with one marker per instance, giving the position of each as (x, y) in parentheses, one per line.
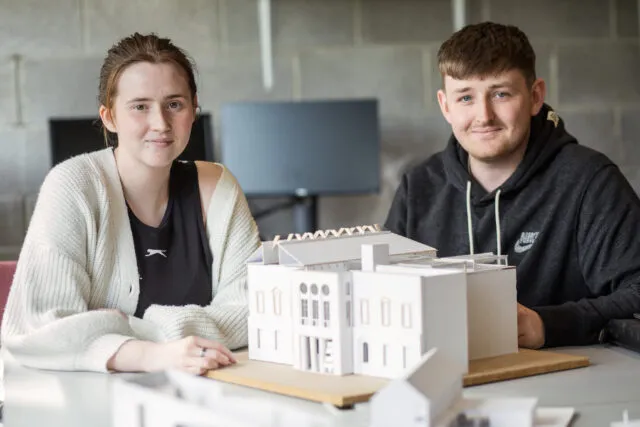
(135, 261)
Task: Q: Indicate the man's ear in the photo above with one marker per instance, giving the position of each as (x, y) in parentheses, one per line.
(444, 107)
(538, 93)
(107, 119)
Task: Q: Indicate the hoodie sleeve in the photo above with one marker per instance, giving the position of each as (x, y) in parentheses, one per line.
(608, 242)
(397, 218)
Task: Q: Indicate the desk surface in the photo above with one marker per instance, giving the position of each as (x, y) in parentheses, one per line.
(599, 394)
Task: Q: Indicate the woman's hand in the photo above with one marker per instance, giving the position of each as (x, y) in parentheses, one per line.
(192, 354)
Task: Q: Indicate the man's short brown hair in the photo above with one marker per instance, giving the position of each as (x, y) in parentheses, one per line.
(486, 49)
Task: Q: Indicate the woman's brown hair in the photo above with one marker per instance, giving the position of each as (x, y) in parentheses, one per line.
(139, 48)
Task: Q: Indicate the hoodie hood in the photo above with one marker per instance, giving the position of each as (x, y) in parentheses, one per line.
(546, 138)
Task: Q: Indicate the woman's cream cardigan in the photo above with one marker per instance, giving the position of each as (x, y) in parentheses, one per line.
(78, 257)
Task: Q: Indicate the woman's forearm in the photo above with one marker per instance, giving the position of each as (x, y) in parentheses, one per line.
(134, 356)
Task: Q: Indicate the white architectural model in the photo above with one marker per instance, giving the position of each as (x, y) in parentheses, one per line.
(359, 301)
(372, 302)
(491, 298)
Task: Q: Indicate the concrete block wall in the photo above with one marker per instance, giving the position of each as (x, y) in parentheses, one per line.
(50, 54)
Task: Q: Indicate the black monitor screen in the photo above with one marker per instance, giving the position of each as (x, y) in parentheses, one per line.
(302, 148)
(70, 137)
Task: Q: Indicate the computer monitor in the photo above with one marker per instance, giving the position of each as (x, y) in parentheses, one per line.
(72, 136)
(306, 148)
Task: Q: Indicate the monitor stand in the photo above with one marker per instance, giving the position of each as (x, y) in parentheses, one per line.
(305, 214)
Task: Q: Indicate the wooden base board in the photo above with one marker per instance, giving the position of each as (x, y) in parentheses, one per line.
(524, 363)
(347, 390)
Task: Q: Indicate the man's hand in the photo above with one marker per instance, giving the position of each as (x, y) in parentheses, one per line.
(530, 328)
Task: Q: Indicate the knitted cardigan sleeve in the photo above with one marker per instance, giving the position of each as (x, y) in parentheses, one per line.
(233, 237)
(47, 323)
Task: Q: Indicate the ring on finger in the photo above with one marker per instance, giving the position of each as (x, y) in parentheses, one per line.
(203, 351)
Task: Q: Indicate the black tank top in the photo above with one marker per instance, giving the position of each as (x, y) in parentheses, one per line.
(174, 259)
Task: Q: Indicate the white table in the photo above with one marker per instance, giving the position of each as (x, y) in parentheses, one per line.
(599, 393)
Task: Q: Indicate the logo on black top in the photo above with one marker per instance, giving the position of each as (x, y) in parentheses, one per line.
(152, 252)
(525, 241)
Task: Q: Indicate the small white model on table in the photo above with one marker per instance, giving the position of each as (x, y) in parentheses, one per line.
(626, 422)
(430, 395)
(371, 302)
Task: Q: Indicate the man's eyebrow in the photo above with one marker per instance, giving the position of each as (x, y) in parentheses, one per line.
(500, 84)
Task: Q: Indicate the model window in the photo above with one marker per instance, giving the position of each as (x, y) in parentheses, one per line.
(303, 288)
(260, 301)
(406, 315)
(385, 311)
(364, 312)
(404, 357)
(306, 345)
(277, 301)
(314, 289)
(325, 290)
(365, 352)
(384, 355)
(327, 310)
(314, 311)
(304, 310)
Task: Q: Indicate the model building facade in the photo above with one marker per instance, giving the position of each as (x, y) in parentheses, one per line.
(372, 302)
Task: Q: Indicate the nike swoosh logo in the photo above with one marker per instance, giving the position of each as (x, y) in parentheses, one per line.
(520, 248)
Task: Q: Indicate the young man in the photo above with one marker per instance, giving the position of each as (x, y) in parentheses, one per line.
(513, 181)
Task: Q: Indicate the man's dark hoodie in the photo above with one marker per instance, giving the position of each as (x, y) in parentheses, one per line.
(567, 219)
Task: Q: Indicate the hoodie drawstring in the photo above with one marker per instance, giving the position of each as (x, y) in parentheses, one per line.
(470, 225)
(498, 240)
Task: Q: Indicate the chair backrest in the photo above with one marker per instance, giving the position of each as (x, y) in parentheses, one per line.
(7, 270)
